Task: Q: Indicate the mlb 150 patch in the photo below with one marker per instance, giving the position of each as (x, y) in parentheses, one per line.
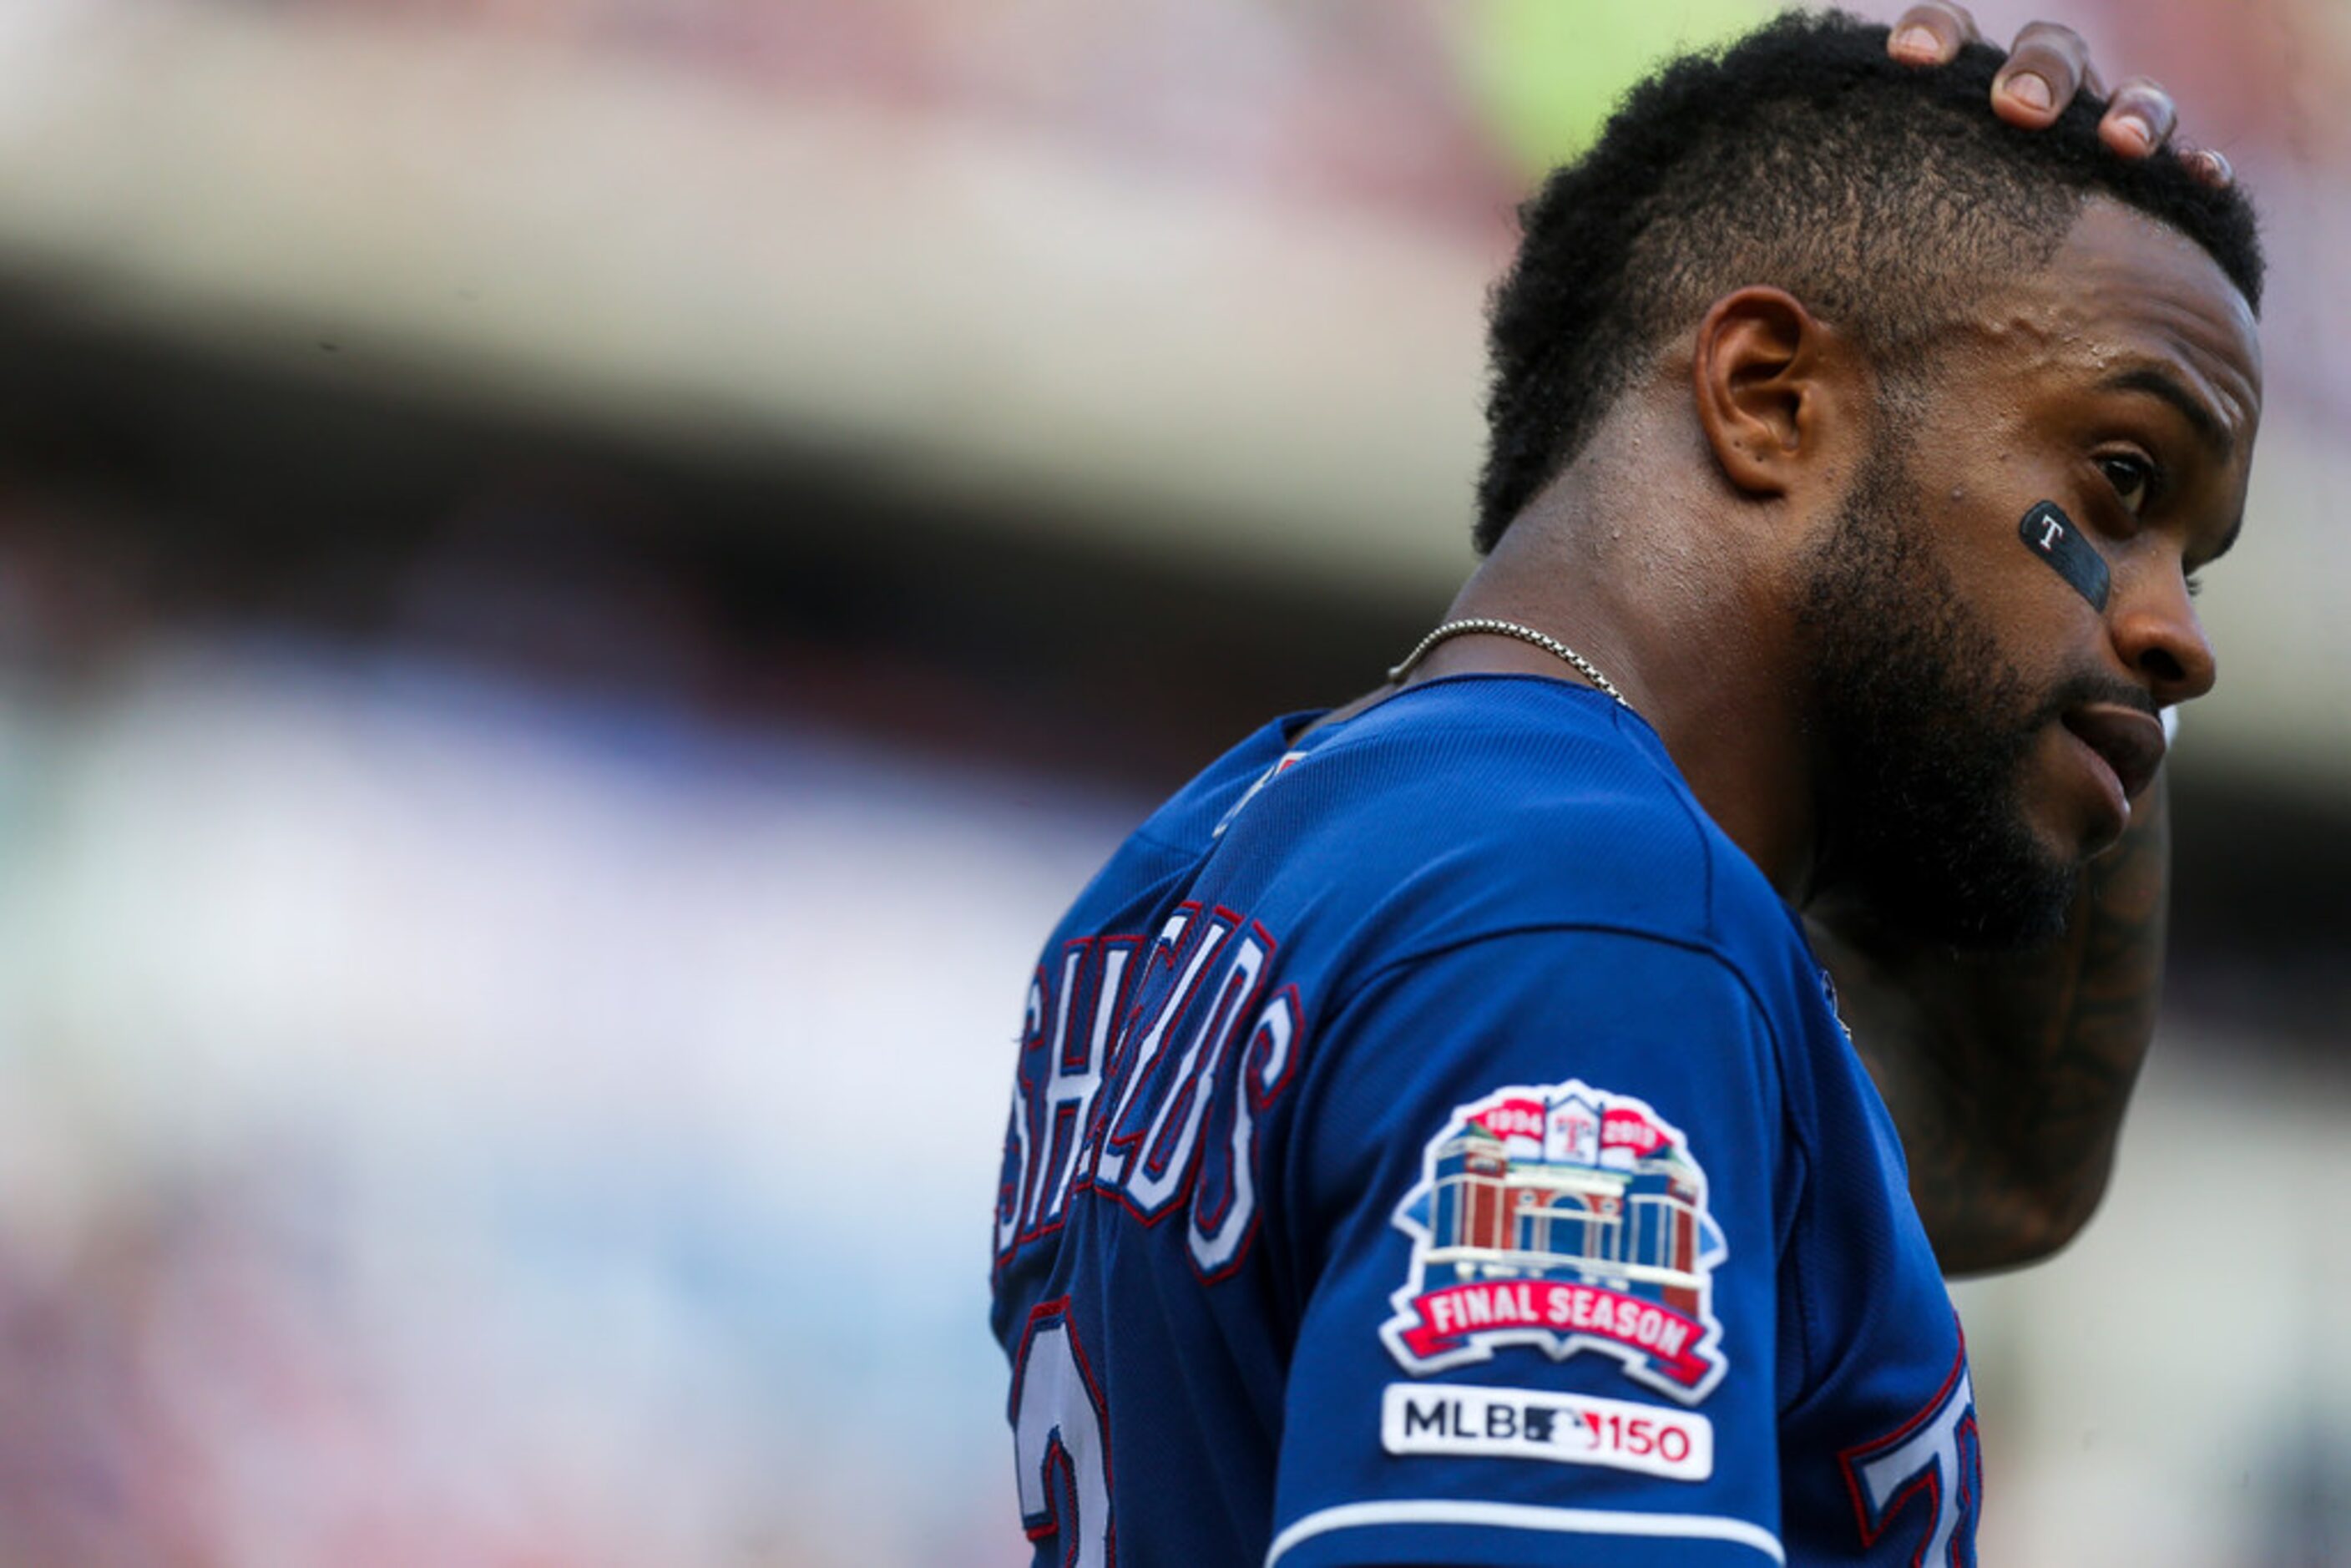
(1567, 1220)
(1459, 1418)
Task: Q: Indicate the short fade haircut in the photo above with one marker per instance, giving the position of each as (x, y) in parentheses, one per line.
(1886, 197)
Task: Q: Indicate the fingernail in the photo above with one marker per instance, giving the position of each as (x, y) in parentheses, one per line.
(1918, 44)
(2136, 132)
(2028, 89)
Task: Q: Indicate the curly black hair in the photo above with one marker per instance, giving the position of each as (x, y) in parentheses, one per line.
(1886, 196)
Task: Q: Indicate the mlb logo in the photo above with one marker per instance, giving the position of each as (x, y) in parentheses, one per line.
(1289, 761)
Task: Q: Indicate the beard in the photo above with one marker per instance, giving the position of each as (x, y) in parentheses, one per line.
(1923, 732)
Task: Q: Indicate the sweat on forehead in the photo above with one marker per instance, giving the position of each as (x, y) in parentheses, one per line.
(1881, 195)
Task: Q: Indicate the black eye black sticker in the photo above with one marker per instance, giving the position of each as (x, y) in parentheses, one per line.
(2051, 535)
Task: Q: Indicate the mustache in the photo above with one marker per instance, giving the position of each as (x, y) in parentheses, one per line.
(2093, 686)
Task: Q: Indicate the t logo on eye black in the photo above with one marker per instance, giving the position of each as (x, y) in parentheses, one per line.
(2052, 535)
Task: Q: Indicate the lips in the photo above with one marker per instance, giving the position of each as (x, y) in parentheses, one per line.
(2126, 740)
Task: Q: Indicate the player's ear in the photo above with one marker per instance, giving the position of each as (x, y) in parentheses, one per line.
(1764, 370)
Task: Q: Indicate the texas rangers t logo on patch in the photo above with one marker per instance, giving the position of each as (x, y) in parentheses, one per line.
(1566, 1218)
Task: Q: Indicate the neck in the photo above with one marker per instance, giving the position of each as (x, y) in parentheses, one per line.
(1690, 626)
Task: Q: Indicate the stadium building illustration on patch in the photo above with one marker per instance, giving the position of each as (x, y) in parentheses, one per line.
(1565, 1218)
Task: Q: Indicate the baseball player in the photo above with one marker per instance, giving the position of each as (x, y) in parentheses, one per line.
(1434, 1137)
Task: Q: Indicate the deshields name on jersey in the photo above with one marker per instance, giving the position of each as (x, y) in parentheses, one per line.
(1124, 1085)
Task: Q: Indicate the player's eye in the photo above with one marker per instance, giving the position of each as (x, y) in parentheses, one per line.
(2195, 585)
(2133, 479)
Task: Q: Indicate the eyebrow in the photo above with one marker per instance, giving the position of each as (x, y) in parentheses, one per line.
(2157, 382)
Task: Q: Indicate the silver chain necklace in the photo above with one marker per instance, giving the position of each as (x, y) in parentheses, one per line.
(1548, 644)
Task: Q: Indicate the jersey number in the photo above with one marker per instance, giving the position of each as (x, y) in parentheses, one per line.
(1061, 1440)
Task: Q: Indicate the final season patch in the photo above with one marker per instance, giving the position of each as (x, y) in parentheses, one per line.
(2053, 537)
(1566, 1218)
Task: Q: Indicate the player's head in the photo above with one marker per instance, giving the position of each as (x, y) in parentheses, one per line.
(1884, 196)
(1968, 319)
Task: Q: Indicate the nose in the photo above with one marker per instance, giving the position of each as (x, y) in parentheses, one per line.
(2158, 636)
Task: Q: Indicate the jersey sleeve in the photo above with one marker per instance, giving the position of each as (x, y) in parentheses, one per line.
(1535, 1183)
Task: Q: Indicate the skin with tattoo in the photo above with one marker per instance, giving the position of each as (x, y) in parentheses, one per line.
(2009, 1073)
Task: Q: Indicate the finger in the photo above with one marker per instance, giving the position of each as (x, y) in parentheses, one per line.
(2205, 164)
(2046, 67)
(1931, 33)
(2139, 119)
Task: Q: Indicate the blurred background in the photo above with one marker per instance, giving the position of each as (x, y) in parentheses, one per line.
(581, 581)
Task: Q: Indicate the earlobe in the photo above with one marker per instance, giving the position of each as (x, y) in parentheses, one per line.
(1756, 372)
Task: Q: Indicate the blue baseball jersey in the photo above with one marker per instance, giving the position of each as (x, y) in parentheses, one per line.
(1433, 1142)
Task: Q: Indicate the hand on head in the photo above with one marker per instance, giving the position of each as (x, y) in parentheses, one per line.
(2047, 65)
